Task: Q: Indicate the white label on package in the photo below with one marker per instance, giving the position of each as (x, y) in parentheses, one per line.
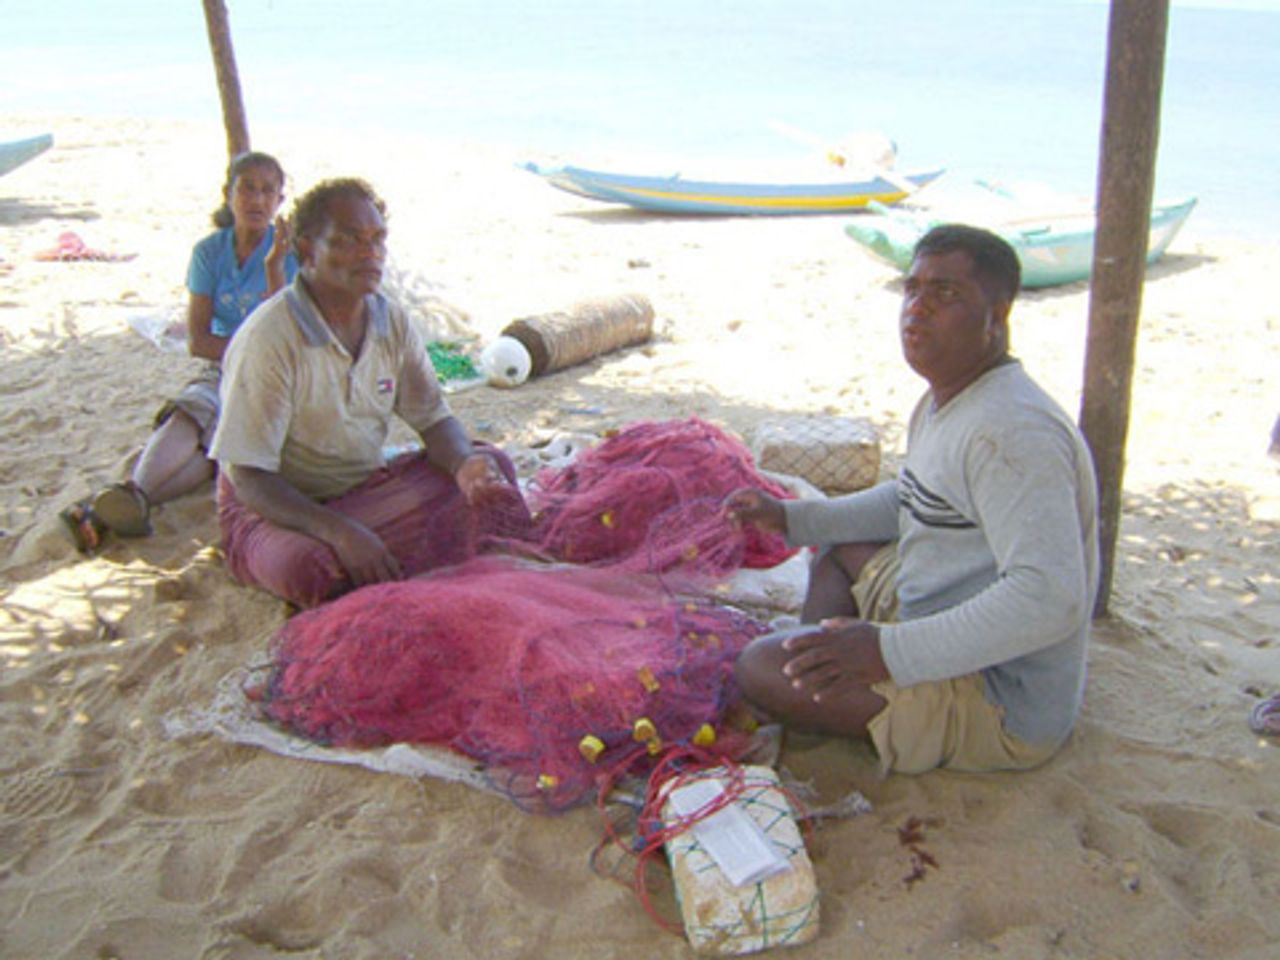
(730, 836)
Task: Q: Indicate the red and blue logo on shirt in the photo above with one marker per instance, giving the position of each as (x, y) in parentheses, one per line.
(386, 385)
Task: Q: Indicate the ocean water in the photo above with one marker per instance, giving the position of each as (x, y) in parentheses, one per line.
(995, 89)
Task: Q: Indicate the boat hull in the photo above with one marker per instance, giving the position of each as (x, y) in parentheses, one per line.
(1052, 252)
(674, 194)
(17, 152)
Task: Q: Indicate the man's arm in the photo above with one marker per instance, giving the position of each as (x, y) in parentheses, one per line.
(868, 516)
(447, 443)
(361, 552)
(420, 403)
(451, 450)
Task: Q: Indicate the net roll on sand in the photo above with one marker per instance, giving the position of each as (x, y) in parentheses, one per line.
(585, 330)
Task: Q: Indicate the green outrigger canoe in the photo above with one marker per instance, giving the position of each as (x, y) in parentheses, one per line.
(15, 153)
(1053, 250)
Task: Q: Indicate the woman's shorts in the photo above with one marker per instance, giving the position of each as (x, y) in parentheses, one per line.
(199, 401)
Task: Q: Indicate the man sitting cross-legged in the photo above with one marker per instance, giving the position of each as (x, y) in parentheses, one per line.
(308, 508)
(951, 605)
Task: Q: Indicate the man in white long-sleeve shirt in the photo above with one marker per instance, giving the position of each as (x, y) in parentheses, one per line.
(950, 606)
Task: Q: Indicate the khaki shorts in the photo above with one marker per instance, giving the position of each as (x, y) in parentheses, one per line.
(198, 400)
(943, 723)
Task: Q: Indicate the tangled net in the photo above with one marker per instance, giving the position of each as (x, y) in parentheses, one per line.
(633, 498)
(513, 664)
(551, 674)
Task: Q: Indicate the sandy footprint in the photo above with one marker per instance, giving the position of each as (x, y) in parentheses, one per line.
(38, 793)
(190, 872)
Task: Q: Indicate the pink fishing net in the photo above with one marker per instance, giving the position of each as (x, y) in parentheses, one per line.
(551, 674)
(605, 505)
(513, 664)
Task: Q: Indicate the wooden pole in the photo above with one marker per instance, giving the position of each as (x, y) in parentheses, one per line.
(1126, 177)
(224, 64)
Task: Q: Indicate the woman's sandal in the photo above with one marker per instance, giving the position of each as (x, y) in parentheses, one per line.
(1264, 720)
(124, 509)
(85, 528)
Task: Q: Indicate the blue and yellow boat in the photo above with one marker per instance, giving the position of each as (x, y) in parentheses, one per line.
(675, 194)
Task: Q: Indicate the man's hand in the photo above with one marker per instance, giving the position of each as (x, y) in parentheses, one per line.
(362, 553)
(479, 479)
(750, 505)
(826, 663)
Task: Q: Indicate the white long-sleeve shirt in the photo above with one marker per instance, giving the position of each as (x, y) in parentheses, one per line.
(995, 515)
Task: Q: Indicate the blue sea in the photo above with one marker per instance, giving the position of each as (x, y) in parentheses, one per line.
(994, 89)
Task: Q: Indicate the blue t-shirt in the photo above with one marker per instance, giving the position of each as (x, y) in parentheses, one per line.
(234, 289)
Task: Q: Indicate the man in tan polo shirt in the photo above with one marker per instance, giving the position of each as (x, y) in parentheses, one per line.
(307, 505)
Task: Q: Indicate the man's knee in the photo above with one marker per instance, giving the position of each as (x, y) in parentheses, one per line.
(849, 558)
(289, 564)
(758, 671)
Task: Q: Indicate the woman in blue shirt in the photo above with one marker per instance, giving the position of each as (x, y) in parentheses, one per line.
(232, 270)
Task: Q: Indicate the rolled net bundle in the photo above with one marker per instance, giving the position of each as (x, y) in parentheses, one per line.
(604, 506)
(586, 330)
(549, 675)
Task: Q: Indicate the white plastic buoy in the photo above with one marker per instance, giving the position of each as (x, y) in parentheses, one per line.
(506, 362)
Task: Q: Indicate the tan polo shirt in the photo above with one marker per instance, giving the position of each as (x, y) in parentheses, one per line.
(296, 403)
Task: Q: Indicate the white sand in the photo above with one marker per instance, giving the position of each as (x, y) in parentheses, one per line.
(1156, 833)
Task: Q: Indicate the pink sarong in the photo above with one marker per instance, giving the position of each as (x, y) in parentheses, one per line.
(417, 511)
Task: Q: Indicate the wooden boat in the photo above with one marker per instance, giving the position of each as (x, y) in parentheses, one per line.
(17, 152)
(1053, 249)
(675, 194)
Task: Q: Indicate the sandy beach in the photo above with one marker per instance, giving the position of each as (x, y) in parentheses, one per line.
(1154, 834)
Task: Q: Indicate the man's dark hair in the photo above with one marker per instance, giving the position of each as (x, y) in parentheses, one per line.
(994, 261)
(311, 212)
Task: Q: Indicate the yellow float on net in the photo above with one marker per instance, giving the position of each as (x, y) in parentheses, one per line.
(606, 518)
(591, 747)
(643, 731)
(705, 736)
(647, 679)
(548, 781)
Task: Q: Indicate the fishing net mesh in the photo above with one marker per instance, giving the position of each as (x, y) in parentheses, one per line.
(579, 644)
(629, 495)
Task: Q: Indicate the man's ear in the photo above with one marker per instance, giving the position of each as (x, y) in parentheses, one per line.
(1002, 311)
(305, 247)
(998, 321)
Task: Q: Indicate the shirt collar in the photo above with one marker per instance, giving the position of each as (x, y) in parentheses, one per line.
(311, 322)
(256, 256)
